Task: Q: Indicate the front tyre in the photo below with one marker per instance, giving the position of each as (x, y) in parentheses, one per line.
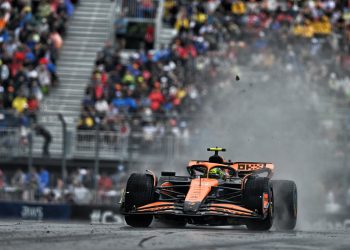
(286, 201)
(138, 220)
(253, 194)
(139, 191)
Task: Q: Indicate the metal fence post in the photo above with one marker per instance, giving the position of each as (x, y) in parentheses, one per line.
(97, 155)
(159, 23)
(30, 153)
(64, 149)
(113, 16)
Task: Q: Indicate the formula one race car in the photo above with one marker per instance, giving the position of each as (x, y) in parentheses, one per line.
(214, 193)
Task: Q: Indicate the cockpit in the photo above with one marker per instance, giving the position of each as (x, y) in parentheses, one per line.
(216, 172)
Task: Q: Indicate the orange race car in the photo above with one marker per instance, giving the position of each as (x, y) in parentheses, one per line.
(214, 193)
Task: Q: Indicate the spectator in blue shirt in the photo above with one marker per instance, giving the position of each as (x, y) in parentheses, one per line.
(44, 179)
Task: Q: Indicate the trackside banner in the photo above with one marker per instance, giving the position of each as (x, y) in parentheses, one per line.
(42, 211)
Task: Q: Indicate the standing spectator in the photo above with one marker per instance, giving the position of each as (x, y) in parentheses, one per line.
(105, 183)
(81, 195)
(44, 179)
(348, 198)
(44, 77)
(18, 182)
(58, 191)
(19, 179)
(149, 38)
(32, 185)
(147, 9)
(42, 131)
(2, 180)
(88, 179)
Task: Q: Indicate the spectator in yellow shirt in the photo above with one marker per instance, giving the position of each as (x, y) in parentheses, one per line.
(238, 8)
(322, 27)
(20, 103)
(182, 23)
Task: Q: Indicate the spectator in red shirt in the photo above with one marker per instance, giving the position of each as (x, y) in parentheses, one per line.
(105, 183)
(33, 107)
(149, 38)
(157, 98)
(33, 104)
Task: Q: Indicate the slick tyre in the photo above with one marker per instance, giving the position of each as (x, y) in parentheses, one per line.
(139, 191)
(253, 199)
(286, 203)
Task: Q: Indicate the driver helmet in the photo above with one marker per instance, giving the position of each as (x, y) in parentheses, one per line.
(216, 159)
(214, 172)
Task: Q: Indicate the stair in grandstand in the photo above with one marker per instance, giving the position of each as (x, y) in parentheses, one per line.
(87, 31)
(166, 35)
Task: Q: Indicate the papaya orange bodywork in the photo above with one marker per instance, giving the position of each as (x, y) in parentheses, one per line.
(232, 207)
(166, 184)
(200, 188)
(265, 201)
(156, 206)
(228, 211)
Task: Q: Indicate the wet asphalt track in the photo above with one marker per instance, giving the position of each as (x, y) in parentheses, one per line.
(51, 236)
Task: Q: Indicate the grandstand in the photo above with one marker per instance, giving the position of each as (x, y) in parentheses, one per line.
(128, 81)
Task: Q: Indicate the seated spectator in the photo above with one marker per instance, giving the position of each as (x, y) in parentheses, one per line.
(101, 107)
(86, 122)
(20, 103)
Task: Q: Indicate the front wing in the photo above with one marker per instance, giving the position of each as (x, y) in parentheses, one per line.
(211, 209)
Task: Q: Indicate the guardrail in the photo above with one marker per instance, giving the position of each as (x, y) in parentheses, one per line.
(10, 142)
(112, 145)
(15, 142)
(119, 146)
(144, 9)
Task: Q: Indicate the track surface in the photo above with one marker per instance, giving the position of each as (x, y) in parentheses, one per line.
(44, 235)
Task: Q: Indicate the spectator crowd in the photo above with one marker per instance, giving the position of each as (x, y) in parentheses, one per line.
(47, 187)
(160, 91)
(31, 35)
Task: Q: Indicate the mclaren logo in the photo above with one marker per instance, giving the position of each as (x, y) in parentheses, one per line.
(251, 167)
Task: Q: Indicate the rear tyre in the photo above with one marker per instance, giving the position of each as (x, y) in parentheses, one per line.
(286, 201)
(139, 191)
(253, 199)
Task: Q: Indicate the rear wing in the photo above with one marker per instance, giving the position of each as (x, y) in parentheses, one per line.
(238, 166)
(253, 166)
